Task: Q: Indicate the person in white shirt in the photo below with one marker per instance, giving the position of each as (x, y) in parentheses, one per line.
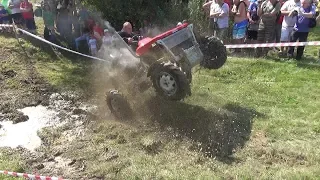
(16, 15)
(220, 12)
(289, 20)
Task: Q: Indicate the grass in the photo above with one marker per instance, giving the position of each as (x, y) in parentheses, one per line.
(251, 119)
(10, 162)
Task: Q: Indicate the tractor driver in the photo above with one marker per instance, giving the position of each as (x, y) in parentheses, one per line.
(128, 36)
(126, 33)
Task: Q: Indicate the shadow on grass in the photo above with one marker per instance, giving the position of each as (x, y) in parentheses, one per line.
(216, 132)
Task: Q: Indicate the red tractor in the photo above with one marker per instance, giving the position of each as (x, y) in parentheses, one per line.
(165, 62)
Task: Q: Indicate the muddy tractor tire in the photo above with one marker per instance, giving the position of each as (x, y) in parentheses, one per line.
(214, 51)
(118, 105)
(170, 82)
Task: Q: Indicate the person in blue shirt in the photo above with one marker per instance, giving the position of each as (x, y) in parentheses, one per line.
(301, 28)
(4, 18)
(4, 15)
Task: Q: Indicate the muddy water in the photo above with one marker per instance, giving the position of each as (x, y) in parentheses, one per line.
(25, 133)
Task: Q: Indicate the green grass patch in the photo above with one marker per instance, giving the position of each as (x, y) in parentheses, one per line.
(11, 163)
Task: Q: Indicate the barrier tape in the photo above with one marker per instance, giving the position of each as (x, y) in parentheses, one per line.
(30, 176)
(6, 25)
(60, 47)
(312, 43)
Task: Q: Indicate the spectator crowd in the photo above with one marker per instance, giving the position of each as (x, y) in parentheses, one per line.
(19, 12)
(81, 29)
(245, 21)
(263, 21)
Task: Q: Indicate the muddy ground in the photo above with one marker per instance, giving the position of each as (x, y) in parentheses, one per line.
(22, 86)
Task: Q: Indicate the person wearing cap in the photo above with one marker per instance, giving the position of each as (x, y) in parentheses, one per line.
(107, 38)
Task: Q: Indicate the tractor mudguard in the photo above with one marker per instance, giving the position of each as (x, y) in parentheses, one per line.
(159, 64)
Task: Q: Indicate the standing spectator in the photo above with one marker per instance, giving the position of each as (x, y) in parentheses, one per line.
(240, 22)
(16, 15)
(85, 36)
(107, 38)
(220, 12)
(289, 20)
(206, 7)
(64, 24)
(279, 20)
(267, 11)
(83, 17)
(98, 33)
(48, 19)
(27, 14)
(4, 17)
(5, 4)
(301, 28)
(97, 30)
(253, 26)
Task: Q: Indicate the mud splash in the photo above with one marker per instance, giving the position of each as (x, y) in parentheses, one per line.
(24, 134)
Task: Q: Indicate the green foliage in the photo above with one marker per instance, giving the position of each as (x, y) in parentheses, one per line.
(160, 13)
(197, 15)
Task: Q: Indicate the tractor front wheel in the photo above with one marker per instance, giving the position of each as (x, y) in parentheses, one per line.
(118, 105)
(170, 82)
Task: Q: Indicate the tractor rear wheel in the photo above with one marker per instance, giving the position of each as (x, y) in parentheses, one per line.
(215, 53)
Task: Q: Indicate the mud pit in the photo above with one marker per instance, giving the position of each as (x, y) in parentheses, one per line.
(25, 133)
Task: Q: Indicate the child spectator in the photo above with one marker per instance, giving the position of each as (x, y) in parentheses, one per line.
(27, 14)
(253, 26)
(93, 45)
(107, 38)
(239, 11)
(107, 41)
(301, 28)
